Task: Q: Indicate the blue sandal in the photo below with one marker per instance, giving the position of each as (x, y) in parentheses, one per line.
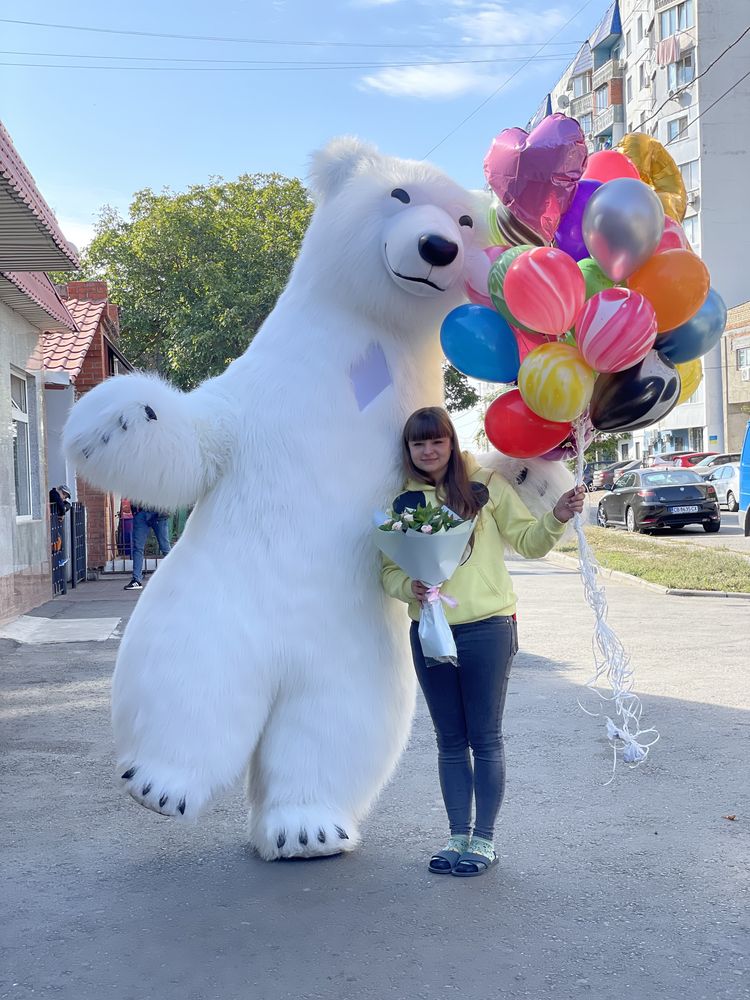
(444, 862)
(470, 864)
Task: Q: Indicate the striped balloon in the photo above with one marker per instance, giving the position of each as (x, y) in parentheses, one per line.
(505, 228)
(691, 376)
(555, 382)
(544, 289)
(616, 329)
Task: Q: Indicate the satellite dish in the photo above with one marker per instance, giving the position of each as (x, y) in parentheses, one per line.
(563, 101)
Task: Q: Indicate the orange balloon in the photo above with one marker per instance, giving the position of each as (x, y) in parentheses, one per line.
(676, 284)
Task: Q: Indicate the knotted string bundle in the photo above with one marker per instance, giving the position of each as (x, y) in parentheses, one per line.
(613, 679)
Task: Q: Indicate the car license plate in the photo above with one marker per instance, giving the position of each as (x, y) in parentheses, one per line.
(684, 510)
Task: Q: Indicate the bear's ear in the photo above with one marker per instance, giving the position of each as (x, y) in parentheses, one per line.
(333, 165)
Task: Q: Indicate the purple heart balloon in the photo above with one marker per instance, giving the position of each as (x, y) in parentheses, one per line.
(535, 174)
(569, 235)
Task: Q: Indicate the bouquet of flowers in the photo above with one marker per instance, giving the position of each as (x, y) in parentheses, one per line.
(428, 543)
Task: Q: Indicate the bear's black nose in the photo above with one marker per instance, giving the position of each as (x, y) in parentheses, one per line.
(436, 250)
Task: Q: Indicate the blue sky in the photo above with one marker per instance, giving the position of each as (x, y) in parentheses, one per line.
(94, 136)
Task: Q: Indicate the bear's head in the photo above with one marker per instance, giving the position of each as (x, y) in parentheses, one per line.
(390, 236)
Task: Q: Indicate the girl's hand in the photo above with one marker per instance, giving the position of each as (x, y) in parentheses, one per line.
(418, 589)
(570, 503)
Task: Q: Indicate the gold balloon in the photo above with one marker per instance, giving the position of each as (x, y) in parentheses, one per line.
(691, 376)
(658, 170)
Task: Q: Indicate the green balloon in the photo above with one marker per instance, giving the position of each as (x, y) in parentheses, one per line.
(596, 280)
(495, 283)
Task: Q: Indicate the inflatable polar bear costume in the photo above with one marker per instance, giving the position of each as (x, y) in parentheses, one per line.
(265, 642)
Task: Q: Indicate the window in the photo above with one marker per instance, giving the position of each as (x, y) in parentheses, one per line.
(638, 443)
(678, 18)
(643, 76)
(692, 230)
(639, 27)
(602, 98)
(680, 73)
(587, 123)
(582, 85)
(743, 357)
(21, 446)
(689, 173)
(629, 90)
(624, 449)
(628, 43)
(677, 127)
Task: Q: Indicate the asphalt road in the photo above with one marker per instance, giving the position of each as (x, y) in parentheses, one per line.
(729, 536)
(634, 889)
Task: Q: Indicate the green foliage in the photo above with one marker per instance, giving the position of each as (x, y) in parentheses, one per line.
(196, 273)
(415, 519)
(459, 394)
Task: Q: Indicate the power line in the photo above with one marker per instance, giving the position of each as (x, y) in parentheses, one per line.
(277, 41)
(705, 110)
(695, 79)
(505, 83)
(240, 63)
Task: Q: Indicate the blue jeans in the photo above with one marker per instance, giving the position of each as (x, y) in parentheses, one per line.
(466, 704)
(142, 521)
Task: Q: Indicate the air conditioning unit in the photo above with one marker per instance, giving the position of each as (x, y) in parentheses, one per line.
(692, 197)
(745, 374)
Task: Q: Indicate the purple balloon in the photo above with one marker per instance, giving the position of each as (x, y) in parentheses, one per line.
(569, 235)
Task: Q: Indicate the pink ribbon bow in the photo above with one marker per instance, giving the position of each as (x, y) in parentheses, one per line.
(433, 594)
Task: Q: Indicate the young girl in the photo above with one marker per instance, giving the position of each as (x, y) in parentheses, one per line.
(466, 702)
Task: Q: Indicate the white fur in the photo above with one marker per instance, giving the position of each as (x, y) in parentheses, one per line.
(265, 639)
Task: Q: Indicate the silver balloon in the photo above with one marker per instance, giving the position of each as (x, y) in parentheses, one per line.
(623, 223)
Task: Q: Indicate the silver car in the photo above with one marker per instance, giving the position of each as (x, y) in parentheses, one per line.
(726, 481)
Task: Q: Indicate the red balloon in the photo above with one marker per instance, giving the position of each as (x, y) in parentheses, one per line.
(527, 341)
(608, 165)
(517, 431)
(545, 289)
(673, 237)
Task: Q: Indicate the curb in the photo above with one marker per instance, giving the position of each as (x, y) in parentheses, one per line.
(616, 574)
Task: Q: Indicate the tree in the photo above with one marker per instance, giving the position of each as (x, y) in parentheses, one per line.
(459, 394)
(196, 273)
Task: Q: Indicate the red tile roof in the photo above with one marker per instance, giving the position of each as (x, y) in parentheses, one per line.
(19, 198)
(66, 350)
(32, 294)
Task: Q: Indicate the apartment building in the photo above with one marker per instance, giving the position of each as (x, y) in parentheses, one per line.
(677, 69)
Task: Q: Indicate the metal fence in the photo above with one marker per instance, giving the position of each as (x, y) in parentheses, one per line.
(59, 553)
(77, 543)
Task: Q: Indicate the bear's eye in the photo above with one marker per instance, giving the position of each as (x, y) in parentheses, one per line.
(401, 195)
(466, 220)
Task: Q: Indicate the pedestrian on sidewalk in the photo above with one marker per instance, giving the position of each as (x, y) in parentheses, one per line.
(143, 520)
(466, 701)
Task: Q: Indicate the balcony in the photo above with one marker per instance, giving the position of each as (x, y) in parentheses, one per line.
(582, 106)
(613, 115)
(610, 70)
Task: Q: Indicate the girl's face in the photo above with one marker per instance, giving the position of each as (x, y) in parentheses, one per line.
(431, 456)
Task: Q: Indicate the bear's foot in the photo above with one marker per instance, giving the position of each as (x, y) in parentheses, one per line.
(301, 831)
(165, 790)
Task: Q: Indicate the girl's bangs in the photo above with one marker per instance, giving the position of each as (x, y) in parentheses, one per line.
(427, 425)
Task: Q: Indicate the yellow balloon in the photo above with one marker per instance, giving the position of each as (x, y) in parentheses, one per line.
(691, 376)
(658, 170)
(556, 382)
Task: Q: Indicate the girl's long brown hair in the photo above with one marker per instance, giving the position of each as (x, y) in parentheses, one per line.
(455, 491)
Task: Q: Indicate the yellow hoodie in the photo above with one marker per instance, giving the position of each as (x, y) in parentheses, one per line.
(482, 584)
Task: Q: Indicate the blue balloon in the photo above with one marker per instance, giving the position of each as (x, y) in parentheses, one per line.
(478, 342)
(698, 335)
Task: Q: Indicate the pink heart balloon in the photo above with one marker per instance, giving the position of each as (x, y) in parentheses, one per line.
(535, 174)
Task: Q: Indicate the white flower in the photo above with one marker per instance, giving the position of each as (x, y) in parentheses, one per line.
(426, 529)
(397, 526)
(408, 518)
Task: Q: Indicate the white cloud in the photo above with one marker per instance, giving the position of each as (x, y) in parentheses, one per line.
(430, 82)
(492, 23)
(79, 233)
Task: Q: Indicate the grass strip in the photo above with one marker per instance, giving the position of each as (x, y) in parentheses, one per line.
(670, 564)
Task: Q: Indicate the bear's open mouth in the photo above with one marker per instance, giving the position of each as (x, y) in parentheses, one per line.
(407, 277)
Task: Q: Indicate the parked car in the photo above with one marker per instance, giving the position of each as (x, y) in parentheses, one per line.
(679, 459)
(744, 496)
(711, 462)
(646, 499)
(726, 481)
(589, 471)
(603, 478)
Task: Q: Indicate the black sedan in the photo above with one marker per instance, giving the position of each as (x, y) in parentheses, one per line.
(647, 499)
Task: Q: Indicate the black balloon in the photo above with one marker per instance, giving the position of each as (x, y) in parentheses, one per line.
(637, 397)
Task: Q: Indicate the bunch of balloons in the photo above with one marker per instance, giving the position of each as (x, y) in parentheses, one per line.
(591, 304)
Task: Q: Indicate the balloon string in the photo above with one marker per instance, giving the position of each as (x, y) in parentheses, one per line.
(612, 663)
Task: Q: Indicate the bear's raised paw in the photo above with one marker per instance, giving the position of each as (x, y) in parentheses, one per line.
(164, 791)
